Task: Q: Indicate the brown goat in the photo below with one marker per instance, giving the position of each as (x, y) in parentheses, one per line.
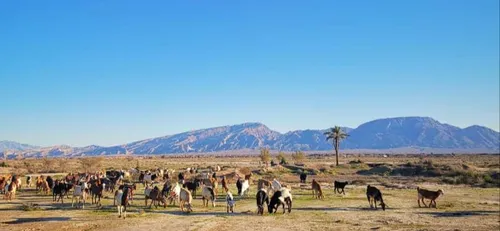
(428, 194)
(316, 190)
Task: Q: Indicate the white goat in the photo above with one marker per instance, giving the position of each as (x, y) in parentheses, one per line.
(175, 193)
(79, 194)
(207, 194)
(276, 185)
(244, 188)
(185, 198)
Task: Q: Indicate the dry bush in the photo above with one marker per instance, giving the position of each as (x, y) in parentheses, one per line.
(90, 164)
(299, 157)
(49, 165)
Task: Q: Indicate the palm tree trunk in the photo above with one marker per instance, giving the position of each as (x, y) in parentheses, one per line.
(337, 151)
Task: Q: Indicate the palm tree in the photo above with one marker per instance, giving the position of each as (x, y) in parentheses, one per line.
(336, 134)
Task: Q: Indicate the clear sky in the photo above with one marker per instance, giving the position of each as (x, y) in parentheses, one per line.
(112, 72)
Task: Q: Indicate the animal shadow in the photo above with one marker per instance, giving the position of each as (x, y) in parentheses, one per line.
(36, 219)
(459, 213)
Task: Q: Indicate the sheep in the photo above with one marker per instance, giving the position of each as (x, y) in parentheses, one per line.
(230, 202)
(339, 185)
(316, 190)
(373, 194)
(428, 194)
(185, 198)
(261, 199)
(282, 197)
(207, 194)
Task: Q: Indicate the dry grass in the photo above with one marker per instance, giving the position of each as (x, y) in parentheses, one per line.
(461, 208)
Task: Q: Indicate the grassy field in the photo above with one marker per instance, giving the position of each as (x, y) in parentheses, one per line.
(470, 202)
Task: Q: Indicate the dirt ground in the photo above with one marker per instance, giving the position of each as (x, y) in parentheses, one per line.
(461, 208)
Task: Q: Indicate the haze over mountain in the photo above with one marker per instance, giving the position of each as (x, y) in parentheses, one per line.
(381, 134)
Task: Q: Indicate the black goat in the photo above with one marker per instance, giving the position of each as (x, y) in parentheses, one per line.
(303, 177)
(192, 186)
(261, 199)
(59, 191)
(339, 185)
(374, 195)
(239, 185)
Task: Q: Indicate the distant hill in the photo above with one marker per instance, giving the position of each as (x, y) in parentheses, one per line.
(402, 133)
(11, 145)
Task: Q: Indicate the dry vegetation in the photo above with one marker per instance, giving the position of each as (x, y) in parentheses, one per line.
(470, 182)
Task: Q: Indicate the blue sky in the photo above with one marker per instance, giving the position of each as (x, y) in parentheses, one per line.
(112, 72)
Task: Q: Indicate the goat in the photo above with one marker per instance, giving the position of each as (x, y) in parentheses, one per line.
(263, 184)
(230, 202)
(215, 185)
(207, 194)
(185, 200)
(18, 182)
(167, 186)
(11, 191)
(131, 189)
(303, 177)
(373, 194)
(174, 193)
(50, 182)
(121, 200)
(149, 179)
(242, 187)
(96, 190)
(316, 190)
(155, 196)
(276, 185)
(224, 184)
(181, 177)
(339, 185)
(59, 191)
(428, 194)
(29, 181)
(261, 199)
(282, 197)
(3, 185)
(79, 194)
(192, 186)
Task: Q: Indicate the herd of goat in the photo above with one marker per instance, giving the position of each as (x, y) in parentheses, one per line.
(271, 193)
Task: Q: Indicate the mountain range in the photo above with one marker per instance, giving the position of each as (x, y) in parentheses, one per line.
(418, 133)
